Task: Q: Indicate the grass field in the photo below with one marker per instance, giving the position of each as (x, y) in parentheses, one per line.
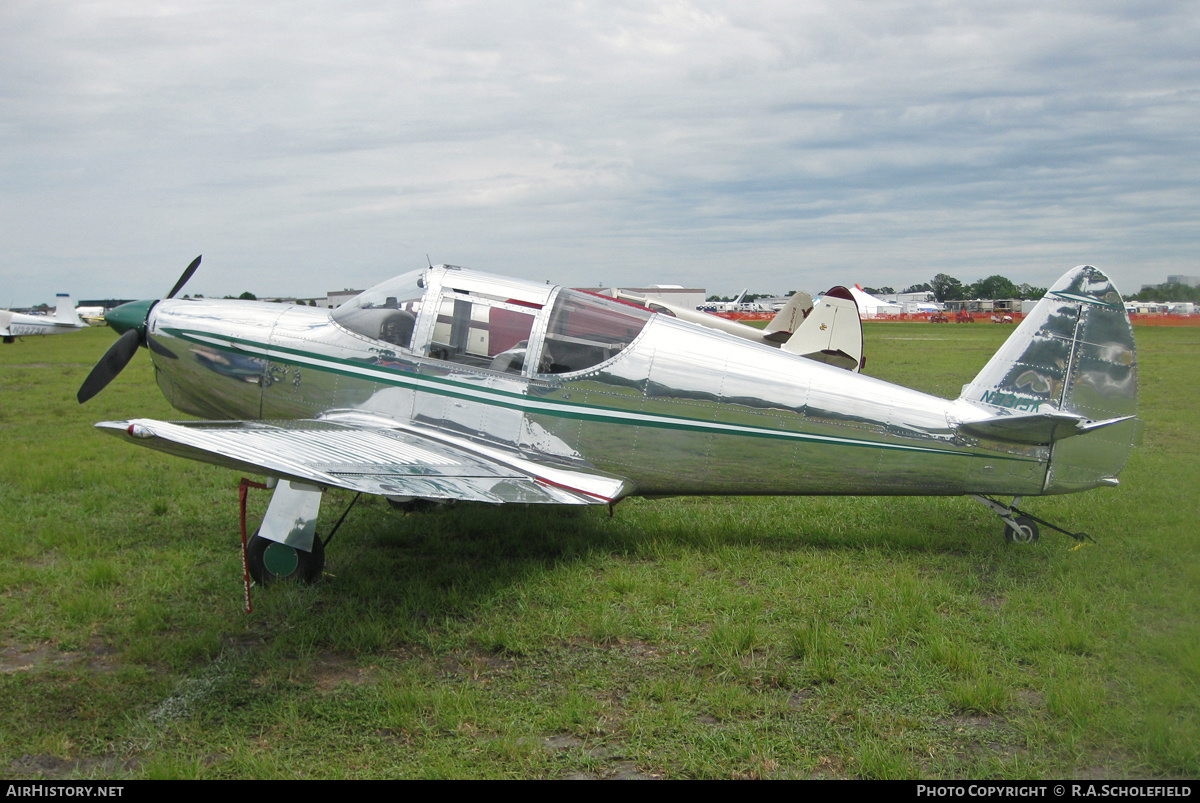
(685, 638)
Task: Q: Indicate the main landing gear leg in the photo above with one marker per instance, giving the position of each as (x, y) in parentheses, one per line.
(1021, 527)
(286, 544)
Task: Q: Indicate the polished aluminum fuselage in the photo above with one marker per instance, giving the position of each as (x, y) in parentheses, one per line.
(682, 410)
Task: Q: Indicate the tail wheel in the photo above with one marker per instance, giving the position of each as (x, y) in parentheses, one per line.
(269, 561)
(1026, 531)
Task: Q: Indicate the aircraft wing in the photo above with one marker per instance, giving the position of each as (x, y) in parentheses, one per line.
(360, 455)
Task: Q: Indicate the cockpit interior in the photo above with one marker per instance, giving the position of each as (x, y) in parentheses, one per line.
(491, 323)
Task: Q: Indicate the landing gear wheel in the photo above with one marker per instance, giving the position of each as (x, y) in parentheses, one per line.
(270, 561)
(1026, 532)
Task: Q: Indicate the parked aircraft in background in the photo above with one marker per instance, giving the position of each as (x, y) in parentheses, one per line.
(795, 328)
(832, 333)
(450, 384)
(725, 306)
(91, 314)
(781, 327)
(18, 324)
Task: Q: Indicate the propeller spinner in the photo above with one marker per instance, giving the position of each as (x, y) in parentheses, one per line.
(130, 320)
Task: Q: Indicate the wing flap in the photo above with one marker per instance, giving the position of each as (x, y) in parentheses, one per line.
(376, 460)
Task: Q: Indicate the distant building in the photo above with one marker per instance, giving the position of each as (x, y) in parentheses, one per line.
(335, 298)
(913, 303)
(1190, 281)
(689, 297)
(996, 305)
(920, 297)
(105, 303)
(774, 303)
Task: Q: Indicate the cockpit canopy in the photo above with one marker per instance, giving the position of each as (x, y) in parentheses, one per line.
(586, 329)
(493, 323)
(387, 311)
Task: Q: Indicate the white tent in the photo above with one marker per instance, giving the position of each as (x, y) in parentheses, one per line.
(869, 306)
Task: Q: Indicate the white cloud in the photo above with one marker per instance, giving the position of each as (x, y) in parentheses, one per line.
(307, 146)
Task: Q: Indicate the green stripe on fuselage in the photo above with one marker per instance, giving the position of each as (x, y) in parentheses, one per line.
(441, 386)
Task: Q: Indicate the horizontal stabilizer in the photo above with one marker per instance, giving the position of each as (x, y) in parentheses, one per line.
(1036, 428)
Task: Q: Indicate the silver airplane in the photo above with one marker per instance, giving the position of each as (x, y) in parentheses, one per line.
(18, 324)
(450, 384)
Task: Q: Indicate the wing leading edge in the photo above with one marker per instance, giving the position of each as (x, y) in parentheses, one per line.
(390, 461)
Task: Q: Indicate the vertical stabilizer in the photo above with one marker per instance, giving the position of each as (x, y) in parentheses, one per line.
(1073, 354)
(64, 310)
(832, 333)
(789, 318)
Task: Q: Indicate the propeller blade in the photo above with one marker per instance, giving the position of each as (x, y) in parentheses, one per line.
(187, 274)
(114, 360)
(130, 320)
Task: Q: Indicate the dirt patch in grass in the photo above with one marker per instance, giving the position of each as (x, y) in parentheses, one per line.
(44, 766)
(1031, 699)
(830, 768)
(984, 735)
(967, 722)
(476, 664)
(32, 658)
(621, 771)
(562, 741)
(28, 658)
(640, 649)
(992, 602)
(618, 767)
(331, 670)
(799, 700)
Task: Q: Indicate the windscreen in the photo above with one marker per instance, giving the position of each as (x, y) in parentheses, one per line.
(387, 311)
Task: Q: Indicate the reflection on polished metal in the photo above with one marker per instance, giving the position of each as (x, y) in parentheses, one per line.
(498, 390)
(292, 515)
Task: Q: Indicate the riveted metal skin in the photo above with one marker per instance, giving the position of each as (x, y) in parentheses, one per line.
(677, 408)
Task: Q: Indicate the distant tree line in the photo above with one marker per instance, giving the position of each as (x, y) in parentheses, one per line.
(248, 296)
(947, 288)
(1169, 291)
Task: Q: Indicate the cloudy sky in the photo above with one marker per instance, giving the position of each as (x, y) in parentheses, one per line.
(312, 146)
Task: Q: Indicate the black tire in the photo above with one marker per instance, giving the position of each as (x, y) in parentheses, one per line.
(269, 561)
(1028, 533)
